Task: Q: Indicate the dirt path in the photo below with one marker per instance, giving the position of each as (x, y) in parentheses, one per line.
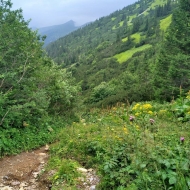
(21, 172)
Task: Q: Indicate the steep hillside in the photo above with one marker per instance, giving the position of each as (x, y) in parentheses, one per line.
(113, 58)
(53, 33)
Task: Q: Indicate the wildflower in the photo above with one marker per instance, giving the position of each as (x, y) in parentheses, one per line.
(125, 130)
(147, 106)
(152, 121)
(188, 95)
(137, 114)
(182, 139)
(136, 106)
(131, 118)
(114, 108)
(137, 127)
(150, 112)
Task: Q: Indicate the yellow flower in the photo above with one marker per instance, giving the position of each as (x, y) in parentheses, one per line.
(150, 112)
(147, 106)
(137, 127)
(188, 95)
(125, 130)
(114, 108)
(137, 114)
(136, 106)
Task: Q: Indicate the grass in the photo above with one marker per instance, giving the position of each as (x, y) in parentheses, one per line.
(120, 24)
(164, 23)
(136, 37)
(124, 56)
(113, 18)
(131, 18)
(137, 146)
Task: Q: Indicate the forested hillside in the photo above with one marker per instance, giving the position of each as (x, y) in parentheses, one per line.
(116, 57)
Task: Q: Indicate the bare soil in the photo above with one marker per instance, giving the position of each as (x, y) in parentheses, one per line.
(21, 172)
(25, 171)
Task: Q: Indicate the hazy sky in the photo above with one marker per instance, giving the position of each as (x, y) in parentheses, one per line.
(53, 12)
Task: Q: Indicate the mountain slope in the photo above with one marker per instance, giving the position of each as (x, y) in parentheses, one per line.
(131, 37)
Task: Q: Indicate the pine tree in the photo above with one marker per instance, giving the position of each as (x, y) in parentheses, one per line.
(172, 70)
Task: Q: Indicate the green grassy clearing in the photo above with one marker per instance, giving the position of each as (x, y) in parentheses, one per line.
(136, 37)
(130, 19)
(120, 24)
(124, 56)
(154, 4)
(164, 23)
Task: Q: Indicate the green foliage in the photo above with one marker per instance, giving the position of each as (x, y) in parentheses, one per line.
(32, 136)
(67, 171)
(102, 91)
(33, 90)
(181, 108)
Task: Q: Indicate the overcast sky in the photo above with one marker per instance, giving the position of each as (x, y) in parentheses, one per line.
(53, 12)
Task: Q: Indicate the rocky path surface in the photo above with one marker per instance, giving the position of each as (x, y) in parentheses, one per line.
(21, 172)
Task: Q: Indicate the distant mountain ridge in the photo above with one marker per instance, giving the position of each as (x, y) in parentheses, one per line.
(55, 32)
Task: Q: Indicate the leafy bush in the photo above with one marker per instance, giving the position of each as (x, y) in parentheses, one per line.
(33, 90)
(181, 107)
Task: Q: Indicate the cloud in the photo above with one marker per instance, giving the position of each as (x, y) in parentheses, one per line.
(48, 12)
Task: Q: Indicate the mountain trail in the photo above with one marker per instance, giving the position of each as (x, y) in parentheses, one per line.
(24, 172)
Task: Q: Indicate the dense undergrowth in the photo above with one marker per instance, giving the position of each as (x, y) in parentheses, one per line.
(31, 136)
(140, 146)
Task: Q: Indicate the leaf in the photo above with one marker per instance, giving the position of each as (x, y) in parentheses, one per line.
(143, 165)
(172, 180)
(166, 163)
(164, 176)
(106, 167)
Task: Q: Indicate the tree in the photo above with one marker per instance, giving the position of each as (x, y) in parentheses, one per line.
(172, 70)
(31, 85)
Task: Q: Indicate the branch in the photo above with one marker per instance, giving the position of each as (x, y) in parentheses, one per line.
(24, 71)
(4, 117)
(2, 83)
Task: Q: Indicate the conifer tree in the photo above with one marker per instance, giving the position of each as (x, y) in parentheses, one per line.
(172, 69)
